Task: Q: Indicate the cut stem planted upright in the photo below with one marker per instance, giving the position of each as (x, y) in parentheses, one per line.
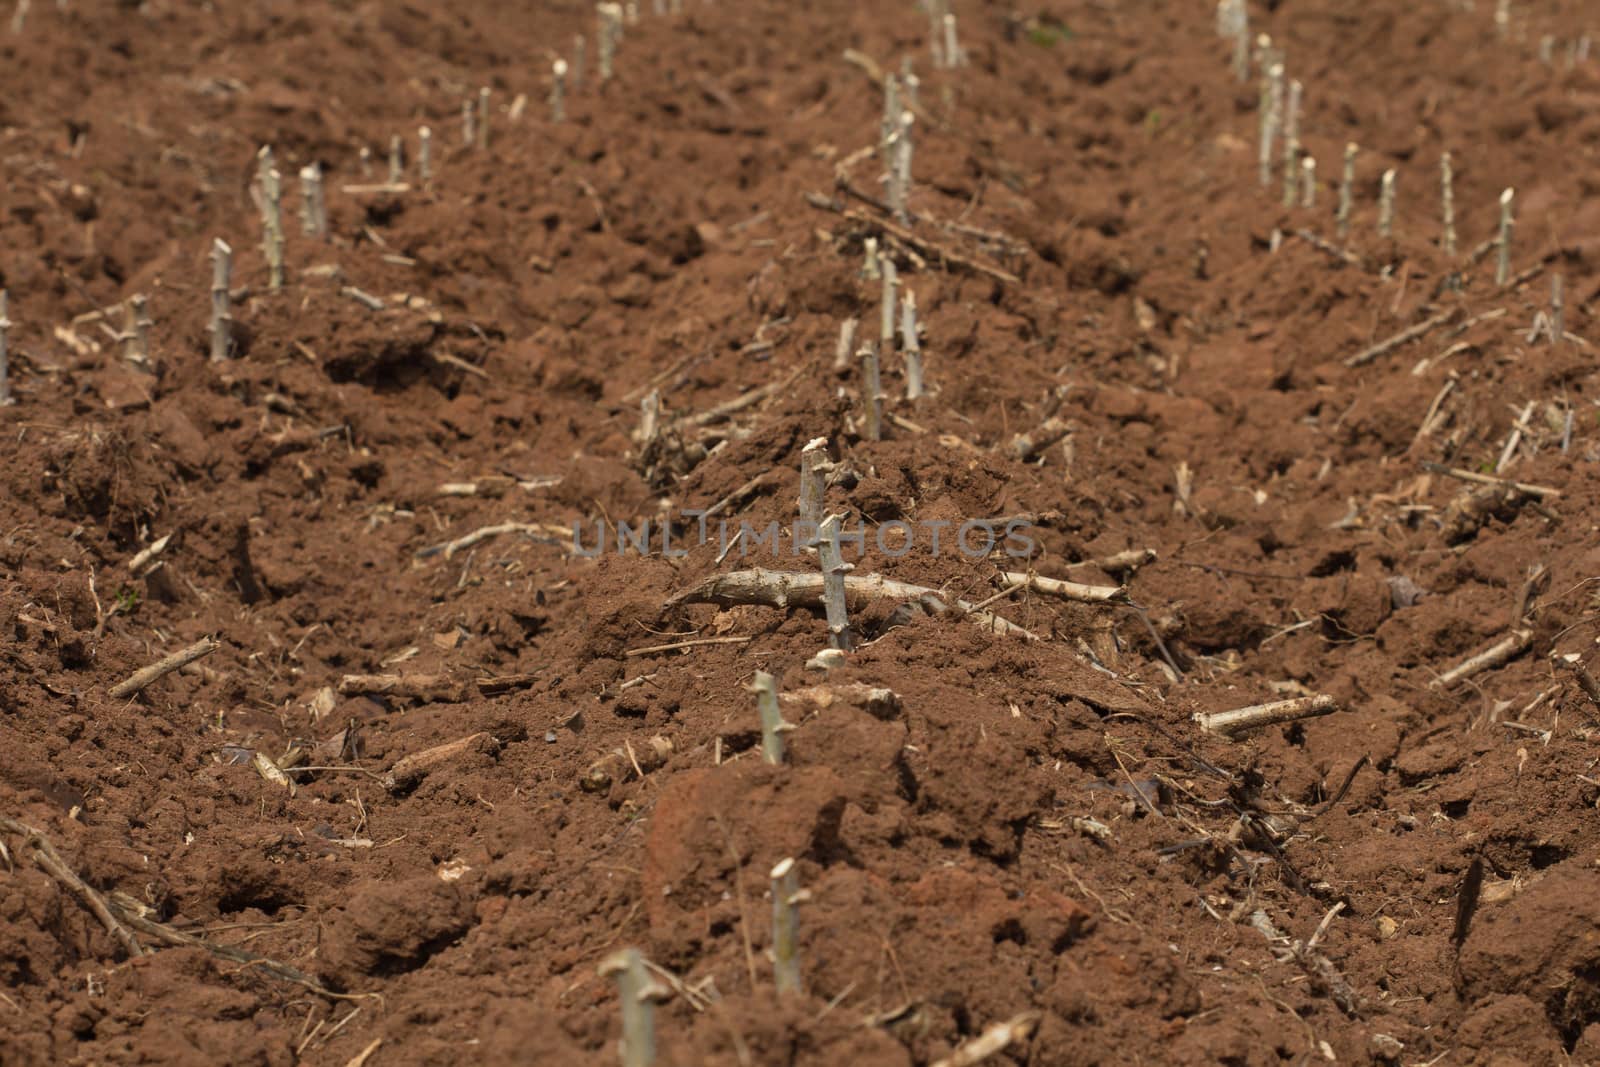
(786, 898)
(1447, 203)
(1347, 184)
(221, 319)
(910, 345)
(637, 992)
(1386, 204)
(772, 725)
(5, 360)
(834, 569)
(1502, 263)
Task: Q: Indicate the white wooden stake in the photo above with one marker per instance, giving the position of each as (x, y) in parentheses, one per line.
(909, 82)
(871, 269)
(1291, 145)
(1347, 184)
(872, 391)
(313, 207)
(834, 570)
(424, 155)
(772, 725)
(138, 351)
(847, 345)
(397, 165)
(1386, 204)
(786, 896)
(1502, 263)
(221, 320)
(900, 172)
(911, 345)
(953, 55)
(558, 91)
(1271, 119)
(1241, 41)
(1308, 182)
(936, 10)
(886, 306)
(1447, 203)
(891, 123)
(272, 226)
(610, 24)
(637, 992)
(5, 359)
(483, 118)
(1558, 309)
(814, 467)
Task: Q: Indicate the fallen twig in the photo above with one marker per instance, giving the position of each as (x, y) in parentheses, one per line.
(1242, 720)
(1586, 681)
(675, 646)
(1318, 967)
(162, 667)
(1047, 433)
(137, 915)
(1540, 491)
(910, 239)
(739, 403)
(362, 297)
(432, 688)
(782, 589)
(1498, 654)
(1086, 594)
(994, 1039)
(147, 555)
(1403, 337)
(1323, 245)
(45, 856)
(537, 530)
(377, 189)
(1121, 562)
(412, 769)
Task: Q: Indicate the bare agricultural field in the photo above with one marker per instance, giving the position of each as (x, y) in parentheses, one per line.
(743, 534)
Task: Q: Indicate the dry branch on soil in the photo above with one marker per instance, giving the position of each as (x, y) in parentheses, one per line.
(1058, 587)
(37, 846)
(622, 763)
(537, 530)
(161, 668)
(926, 248)
(1325, 977)
(783, 589)
(431, 688)
(1242, 720)
(1498, 654)
(1405, 336)
(117, 912)
(412, 769)
(993, 1041)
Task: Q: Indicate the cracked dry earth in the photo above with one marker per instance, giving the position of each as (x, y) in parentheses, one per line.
(1027, 850)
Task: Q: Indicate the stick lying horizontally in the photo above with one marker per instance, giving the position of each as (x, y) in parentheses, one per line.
(1498, 654)
(1243, 720)
(49, 860)
(1086, 594)
(783, 589)
(163, 667)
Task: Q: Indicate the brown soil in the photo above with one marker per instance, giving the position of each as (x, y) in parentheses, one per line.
(661, 237)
